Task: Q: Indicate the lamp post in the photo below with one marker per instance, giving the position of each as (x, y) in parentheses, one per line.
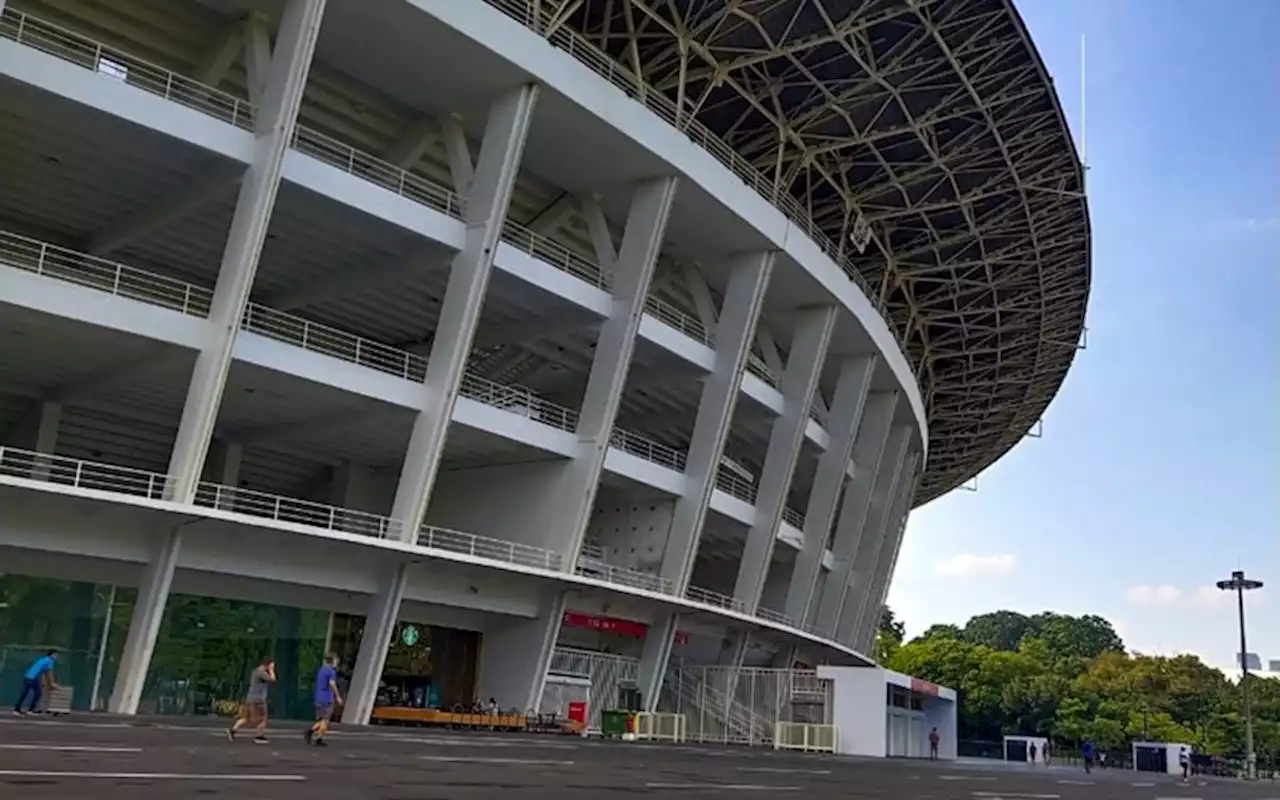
(1240, 584)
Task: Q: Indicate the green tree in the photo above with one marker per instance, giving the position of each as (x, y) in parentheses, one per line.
(999, 630)
(889, 635)
(941, 631)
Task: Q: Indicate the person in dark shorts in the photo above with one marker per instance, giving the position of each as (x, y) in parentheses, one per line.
(327, 697)
(1086, 750)
(36, 681)
(255, 701)
(933, 744)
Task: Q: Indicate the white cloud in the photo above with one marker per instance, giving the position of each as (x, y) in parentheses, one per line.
(969, 565)
(1212, 597)
(1144, 595)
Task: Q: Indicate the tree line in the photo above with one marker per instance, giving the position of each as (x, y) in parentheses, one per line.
(1071, 678)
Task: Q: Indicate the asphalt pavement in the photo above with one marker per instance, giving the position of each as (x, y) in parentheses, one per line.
(106, 758)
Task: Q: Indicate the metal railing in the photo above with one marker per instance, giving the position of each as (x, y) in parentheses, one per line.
(620, 576)
(62, 471)
(51, 261)
(775, 616)
(675, 318)
(793, 518)
(647, 449)
(334, 342)
(488, 548)
(729, 483)
(710, 598)
(757, 367)
(116, 64)
(397, 180)
(290, 509)
(518, 400)
(633, 86)
(552, 252)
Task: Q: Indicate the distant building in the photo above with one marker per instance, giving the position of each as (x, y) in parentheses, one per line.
(1273, 665)
(1254, 662)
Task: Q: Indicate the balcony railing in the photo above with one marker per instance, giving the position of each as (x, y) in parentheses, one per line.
(710, 598)
(793, 518)
(647, 449)
(292, 510)
(51, 261)
(674, 317)
(620, 576)
(518, 400)
(761, 370)
(83, 51)
(488, 548)
(731, 484)
(333, 342)
(63, 471)
(775, 616)
(577, 46)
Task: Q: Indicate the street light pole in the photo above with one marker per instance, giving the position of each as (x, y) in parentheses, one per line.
(1240, 584)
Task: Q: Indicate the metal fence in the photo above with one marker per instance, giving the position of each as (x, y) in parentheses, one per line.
(742, 705)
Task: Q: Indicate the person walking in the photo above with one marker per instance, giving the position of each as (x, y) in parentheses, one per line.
(35, 681)
(254, 711)
(1031, 752)
(326, 697)
(1086, 750)
(933, 744)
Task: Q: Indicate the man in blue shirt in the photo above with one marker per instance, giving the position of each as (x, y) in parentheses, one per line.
(1087, 751)
(326, 697)
(35, 680)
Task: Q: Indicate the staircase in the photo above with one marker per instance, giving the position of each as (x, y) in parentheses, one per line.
(710, 715)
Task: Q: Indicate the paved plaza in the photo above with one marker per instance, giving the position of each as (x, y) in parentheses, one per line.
(105, 758)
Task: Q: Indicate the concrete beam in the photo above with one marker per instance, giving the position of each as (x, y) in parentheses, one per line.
(203, 189)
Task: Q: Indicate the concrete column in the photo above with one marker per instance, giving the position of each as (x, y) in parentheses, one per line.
(735, 331)
(514, 659)
(868, 450)
(889, 473)
(799, 382)
(654, 657)
(881, 573)
(223, 468)
(568, 513)
(379, 625)
(144, 625)
(833, 467)
(487, 201)
(748, 282)
(46, 439)
(275, 122)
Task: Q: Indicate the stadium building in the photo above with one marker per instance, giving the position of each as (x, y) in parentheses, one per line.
(491, 340)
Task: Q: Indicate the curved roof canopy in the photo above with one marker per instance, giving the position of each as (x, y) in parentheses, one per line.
(934, 127)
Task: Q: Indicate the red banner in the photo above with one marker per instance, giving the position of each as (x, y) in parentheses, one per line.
(622, 627)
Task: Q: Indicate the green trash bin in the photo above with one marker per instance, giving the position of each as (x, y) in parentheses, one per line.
(614, 723)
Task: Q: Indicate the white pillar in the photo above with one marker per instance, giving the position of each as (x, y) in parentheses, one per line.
(275, 122)
(295, 45)
(144, 625)
(743, 297)
(569, 511)
(514, 658)
(889, 473)
(881, 571)
(46, 438)
(833, 467)
(224, 469)
(799, 382)
(868, 451)
(748, 282)
(379, 625)
(487, 202)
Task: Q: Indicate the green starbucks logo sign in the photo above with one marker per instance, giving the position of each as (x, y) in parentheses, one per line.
(410, 635)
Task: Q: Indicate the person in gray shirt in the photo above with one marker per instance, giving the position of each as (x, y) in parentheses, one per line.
(254, 711)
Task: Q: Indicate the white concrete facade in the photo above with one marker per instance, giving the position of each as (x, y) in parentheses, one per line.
(912, 710)
(581, 409)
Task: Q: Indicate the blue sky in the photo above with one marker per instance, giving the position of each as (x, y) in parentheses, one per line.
(1159, 469)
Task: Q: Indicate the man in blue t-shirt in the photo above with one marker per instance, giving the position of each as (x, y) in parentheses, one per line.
(1086, 750)
(326, 697)
(37, 678)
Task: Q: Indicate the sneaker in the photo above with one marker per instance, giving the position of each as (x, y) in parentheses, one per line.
(321, 743)
(231, 734)
(17, 712)
(307, 736)
(259, 740)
